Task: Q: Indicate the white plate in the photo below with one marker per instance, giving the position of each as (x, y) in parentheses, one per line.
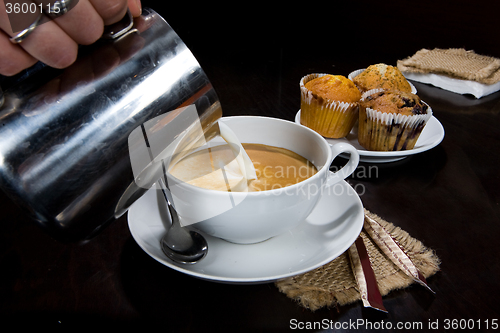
(431, 136)
(328, 232)
(355, 73)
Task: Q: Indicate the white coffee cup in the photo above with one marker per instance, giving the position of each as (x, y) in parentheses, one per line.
(251, 217)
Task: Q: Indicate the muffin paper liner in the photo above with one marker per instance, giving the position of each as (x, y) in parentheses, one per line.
(331, 119)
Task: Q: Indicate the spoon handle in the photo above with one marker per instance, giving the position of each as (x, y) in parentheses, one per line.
(168, 198)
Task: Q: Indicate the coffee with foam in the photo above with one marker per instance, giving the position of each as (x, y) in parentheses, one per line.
(217, 168)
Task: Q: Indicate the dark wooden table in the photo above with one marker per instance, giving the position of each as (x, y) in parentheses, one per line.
(447, 197)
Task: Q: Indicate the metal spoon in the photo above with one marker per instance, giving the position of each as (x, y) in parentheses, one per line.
(180, 244)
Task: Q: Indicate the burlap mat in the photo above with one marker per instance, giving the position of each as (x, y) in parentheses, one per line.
(334, 283)
(456, 63)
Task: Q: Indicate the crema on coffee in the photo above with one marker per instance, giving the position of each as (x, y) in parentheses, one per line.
(216, 168)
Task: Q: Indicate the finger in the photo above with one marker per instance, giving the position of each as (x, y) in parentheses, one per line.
(135, 7)
(13, 58)
(47, 43)
(82, 23)
(51, 45)
(111, 11)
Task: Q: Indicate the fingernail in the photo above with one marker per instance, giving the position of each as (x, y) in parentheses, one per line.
(139, 6)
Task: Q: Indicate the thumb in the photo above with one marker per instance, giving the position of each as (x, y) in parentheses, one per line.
(135, 7)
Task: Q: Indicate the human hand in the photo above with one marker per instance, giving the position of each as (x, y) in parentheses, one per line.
(55, 42)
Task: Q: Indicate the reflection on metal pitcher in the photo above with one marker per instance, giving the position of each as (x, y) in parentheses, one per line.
(64, 153)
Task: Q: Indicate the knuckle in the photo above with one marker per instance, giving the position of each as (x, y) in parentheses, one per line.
(91, 36)
(9, 70)
(11, 63)
(64, 59)
(13, 68)
(114, 12)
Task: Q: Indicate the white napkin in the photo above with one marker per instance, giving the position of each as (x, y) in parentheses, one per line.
(455, 85)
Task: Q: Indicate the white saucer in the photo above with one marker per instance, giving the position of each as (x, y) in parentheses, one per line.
(355, 73)
(328, 232)
(431, 136)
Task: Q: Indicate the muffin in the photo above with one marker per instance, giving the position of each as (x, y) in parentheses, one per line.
(329, 104)
(381, 76)
(391, 120)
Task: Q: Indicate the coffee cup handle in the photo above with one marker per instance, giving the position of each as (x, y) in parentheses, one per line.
(346, 170)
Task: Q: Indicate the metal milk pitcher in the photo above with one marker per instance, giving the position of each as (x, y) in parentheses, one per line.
(64, 134)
